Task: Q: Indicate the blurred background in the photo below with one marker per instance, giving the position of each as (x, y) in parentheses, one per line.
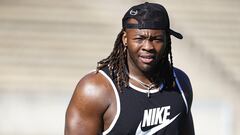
(46, 46)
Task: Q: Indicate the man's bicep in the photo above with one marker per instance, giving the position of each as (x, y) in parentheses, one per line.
(78, 121)
(85, 111)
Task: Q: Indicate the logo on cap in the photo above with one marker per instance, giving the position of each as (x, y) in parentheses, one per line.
(133, 12)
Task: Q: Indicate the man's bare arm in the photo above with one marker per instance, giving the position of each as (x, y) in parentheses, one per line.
(85, 112)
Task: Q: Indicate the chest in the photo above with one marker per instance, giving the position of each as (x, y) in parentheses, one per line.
(140, 113)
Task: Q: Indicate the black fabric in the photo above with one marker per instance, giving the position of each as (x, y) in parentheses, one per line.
(149, 16)
(147, 25)
(134, 105)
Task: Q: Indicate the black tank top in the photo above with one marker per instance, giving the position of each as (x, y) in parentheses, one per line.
(138, 114)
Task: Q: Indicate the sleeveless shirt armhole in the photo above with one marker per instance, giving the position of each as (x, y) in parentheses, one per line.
(181, 90)
(117, 100)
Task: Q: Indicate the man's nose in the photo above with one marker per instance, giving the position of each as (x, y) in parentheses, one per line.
(148, 45)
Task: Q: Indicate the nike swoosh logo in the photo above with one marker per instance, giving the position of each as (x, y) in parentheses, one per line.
(154, 129)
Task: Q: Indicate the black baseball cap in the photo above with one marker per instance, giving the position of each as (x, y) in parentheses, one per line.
(149, 16)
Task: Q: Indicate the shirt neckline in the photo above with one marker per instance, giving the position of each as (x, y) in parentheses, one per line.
(146, 90)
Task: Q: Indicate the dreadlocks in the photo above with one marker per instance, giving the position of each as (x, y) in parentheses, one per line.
(117, 64)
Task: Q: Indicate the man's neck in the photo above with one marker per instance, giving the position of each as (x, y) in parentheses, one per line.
(146, 77)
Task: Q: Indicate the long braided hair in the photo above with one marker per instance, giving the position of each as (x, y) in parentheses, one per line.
(117, 64)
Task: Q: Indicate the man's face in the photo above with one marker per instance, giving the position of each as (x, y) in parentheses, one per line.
(145, 48)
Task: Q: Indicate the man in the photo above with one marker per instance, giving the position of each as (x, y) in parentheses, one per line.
(135, 90)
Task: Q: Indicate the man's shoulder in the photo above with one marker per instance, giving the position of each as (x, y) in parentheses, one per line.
(94, 82)
(93, 92)
(91, 98)
(92, 78)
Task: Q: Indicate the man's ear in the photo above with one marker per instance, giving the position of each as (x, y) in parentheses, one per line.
(124, 38)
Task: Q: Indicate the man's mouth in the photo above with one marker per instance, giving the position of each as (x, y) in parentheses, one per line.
(146, 58)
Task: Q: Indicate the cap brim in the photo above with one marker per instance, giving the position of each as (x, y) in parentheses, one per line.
(176, 34)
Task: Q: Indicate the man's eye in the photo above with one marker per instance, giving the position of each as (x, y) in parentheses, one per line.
(159, 39)
(138, 38)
